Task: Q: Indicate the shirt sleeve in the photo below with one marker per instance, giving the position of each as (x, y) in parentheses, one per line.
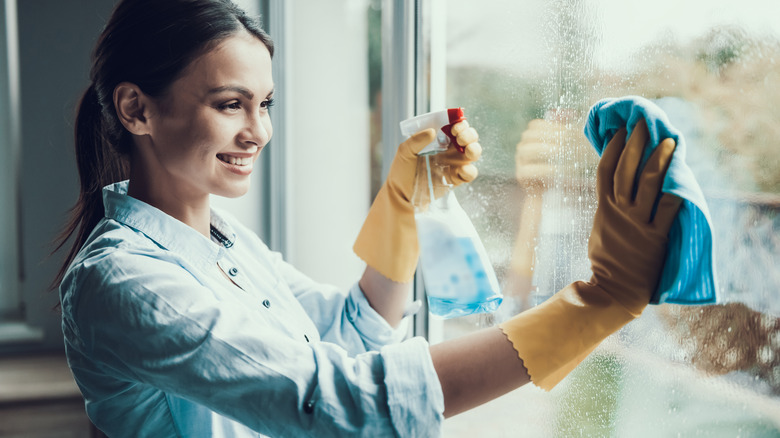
(149, 321)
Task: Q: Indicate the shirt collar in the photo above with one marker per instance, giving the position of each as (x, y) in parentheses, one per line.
(165, 230)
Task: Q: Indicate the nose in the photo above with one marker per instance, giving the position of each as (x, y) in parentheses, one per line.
(257, 130)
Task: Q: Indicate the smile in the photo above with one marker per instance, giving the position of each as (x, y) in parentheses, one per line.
(237, 161)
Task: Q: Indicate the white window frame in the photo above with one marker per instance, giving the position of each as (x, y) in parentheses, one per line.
(413, 82)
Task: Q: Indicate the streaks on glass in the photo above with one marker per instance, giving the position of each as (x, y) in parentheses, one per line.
(567, 207)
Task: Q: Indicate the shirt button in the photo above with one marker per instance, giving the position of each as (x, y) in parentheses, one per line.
(308, 407)
(266, 303)
(233, 272)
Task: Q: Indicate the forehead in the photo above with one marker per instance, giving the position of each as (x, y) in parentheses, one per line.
(240, 59)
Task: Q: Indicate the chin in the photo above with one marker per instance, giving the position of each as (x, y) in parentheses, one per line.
(235, 194)
(235, 191)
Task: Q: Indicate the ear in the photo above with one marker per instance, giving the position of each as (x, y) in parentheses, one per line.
(132, 107)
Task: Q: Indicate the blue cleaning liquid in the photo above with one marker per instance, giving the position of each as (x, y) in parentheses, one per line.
(457, 280)
(448, 309)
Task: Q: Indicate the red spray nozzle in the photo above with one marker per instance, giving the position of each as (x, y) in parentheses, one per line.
(454, 115)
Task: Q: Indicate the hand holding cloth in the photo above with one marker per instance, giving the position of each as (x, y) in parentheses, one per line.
(688, 276)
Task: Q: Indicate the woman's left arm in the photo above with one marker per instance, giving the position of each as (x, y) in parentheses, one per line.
(388, 240)
(387, 297)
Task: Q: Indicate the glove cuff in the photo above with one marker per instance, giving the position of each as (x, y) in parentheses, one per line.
(388, 240)
(553, 338)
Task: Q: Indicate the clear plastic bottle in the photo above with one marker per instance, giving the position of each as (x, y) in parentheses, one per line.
(459, 279)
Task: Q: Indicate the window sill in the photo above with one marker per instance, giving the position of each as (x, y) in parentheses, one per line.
(37, 378)
(19, 332)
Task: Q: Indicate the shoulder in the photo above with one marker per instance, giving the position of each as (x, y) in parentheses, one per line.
(110, 236)
(118, 265)
(113, 250)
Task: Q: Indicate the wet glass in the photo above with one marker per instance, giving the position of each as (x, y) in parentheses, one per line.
(374, 36)
(527, 73)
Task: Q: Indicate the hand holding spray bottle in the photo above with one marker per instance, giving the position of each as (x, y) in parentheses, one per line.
(459, 279)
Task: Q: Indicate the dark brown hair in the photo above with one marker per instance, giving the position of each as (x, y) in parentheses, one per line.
(148, 43)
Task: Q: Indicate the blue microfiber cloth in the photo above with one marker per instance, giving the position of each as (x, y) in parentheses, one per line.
(688, 276)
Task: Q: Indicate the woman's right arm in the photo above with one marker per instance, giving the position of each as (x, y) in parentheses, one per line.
(477, 368)
(627, 249)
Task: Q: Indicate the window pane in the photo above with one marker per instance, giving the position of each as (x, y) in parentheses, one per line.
(715, 68)
(328, 135)
(374, 34)
(326, 118)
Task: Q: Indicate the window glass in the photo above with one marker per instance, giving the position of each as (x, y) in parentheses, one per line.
(715, 68)
(374, 34)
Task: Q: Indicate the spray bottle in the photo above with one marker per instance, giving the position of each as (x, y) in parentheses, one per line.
(459, 279)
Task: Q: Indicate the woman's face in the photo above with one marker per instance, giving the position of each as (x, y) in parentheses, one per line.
(210, 127)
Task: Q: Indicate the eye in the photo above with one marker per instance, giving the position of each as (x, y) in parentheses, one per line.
(268, 103)
(233, 105)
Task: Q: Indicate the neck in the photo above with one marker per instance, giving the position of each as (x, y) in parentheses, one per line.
(194, 211)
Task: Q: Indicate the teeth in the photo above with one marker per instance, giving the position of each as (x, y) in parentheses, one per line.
(235, 160)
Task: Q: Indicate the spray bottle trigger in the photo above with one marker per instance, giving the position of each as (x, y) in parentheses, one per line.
(447, 130)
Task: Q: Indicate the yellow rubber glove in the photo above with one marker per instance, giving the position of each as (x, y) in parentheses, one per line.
(388, 240)
(626, 249)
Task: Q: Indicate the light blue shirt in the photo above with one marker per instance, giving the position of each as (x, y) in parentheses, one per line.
(162, 344)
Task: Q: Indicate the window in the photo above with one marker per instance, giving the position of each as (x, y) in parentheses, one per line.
(13, 326)
(323, 128)
(41, 183)
(715, 68)
(9, 137)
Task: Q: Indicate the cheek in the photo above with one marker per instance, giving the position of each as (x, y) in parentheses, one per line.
(184, 135)
(208, 137)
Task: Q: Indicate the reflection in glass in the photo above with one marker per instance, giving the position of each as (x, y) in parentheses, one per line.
(374, 34)
(527, 80)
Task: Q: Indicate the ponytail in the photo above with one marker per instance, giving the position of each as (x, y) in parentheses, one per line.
(100, 163)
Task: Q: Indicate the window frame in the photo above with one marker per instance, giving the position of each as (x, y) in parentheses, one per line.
(408, 88)
(14, 329)
(413, 82)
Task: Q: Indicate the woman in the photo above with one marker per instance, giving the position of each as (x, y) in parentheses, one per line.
(178, 321)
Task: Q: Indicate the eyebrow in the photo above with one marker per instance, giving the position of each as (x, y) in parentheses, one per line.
(238, 89)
